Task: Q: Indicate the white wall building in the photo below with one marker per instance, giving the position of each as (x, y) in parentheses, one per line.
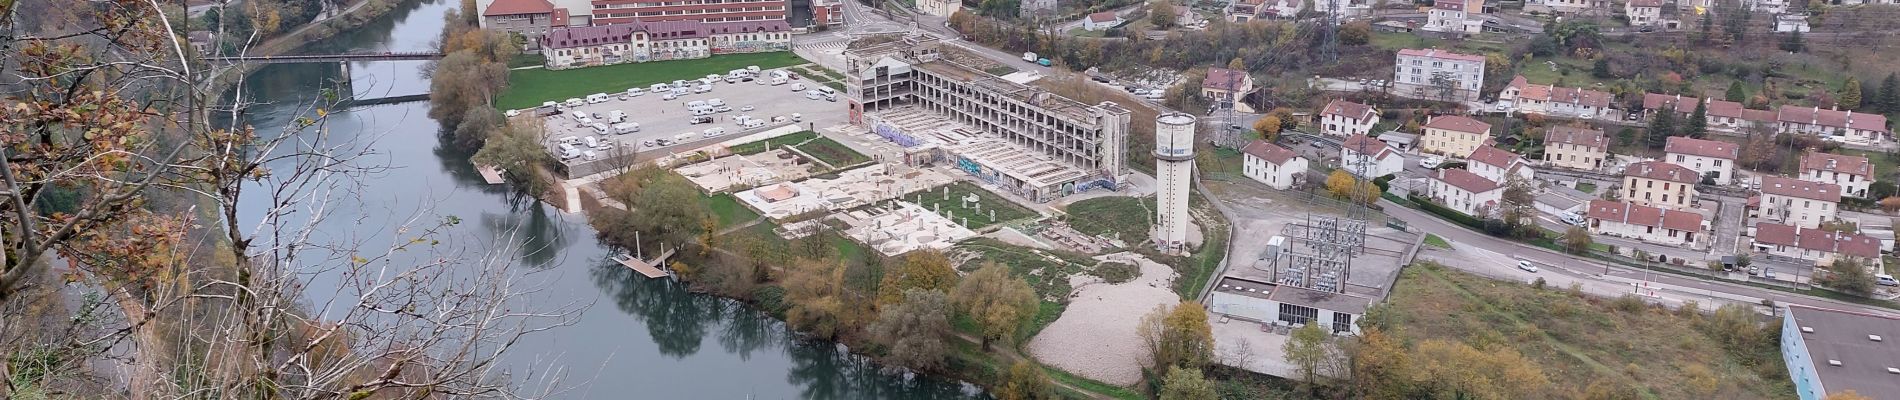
(1644, 12)
(1575, 148)
(1455, 16)
(1345, 118)
(1524, 97)
(1852, 173)
(1372, 155)
(585, 46)
(1796, 202)
(1499, 166)
(1466, 192)
(1819, 246)
(1707, 157)
(1101, 21)
(1842, 126)
(1174, 175)
(1265, 302)
(1791, 23)
(1645, 223)
(1273, 165)
(1438, 75)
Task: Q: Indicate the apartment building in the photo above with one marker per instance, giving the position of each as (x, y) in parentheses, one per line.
(1499, 166)
(1248, 10)
(1819, 246)
(1644, 12)
(1576, 148)
(941, 8)
(1455, 16)
(584, 46)
(1842, 126)
(1710, 158)
(1454, 136)
(1828, 352)
(1852, 173)
(1369, 158)
(1278, 167)
(1797, 202)
(1435, 74)
(1034, 143)
(1659, 184)
(1466, 192)
(530, 18)
(1645, 223)
(1345, 118)
(1524, 97)
(608, 12)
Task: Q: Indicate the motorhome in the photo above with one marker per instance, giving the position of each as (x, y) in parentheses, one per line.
(715, 102)
(752, 123)
(827, 90)
(617, 116)
(585, 120)
(697, 105)
(715, 131)
(798, 87)
(568, 151)
(700, 120)
(635, 92)
(702, 88)
(590, 155)
(626, 128)
(549, 104)
(778, 80)
(597, 98)
(573, 103)
(591, 141)
(752, 69)
(660, 87)
(599, 127)
(813, 95)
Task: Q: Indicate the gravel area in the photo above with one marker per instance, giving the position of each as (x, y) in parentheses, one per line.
(1095, 338)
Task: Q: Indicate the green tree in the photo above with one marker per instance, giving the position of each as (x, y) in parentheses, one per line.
(912, 331)
(999, 304)
(1162, 15)
(1601, 68)
(927, 270)
(1577, 240)
(1025, 381)
(1518, 203)
(663, 207)
(1698, 124)
(517, 151)
(1705, 29)
(1736, 92)
(1179, 336)
(1661, 128)
(1313, 354)
(1850, 94)
(1793, 43)
(1890, 94)
(1187, 384)
(1848, 275)
(1356, 33)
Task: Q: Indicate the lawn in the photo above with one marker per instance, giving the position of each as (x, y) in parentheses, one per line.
(1586, 187)
(832, 152)
(729, 211)
(1082, 32)
(948, 200)
(530, 87)
(1129, 218)
(760, 146)
(1435, 241)
(1616, 348)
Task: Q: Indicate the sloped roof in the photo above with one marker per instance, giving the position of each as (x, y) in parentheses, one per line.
(1646, 3)
(1466, 180)
(513, 7)
(1347, 109)
(1574, 135)
(1775, 234)
(1436, 53)
(1458, 123)
(1845, 164)
(1105, 16)
(1272, 153)
(1495, 157)
(568, 37)
(1857, 245)
(1725, 108)
(1832, 118)
(1663, 171)
(1790, 187)
(1225, 79)
(1367, 145)
(1641, 215)
(1682, 104)
(1700, 147)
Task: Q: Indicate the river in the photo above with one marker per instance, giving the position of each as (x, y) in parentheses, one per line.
(641, 338)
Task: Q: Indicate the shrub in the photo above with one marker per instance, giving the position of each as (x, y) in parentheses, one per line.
(1115, 272)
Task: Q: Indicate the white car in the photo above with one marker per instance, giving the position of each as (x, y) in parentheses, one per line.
(1526, 266)
(745, 109)
(1431, 162)
(669, 96)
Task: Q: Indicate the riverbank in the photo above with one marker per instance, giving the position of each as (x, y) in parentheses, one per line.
(324, 27)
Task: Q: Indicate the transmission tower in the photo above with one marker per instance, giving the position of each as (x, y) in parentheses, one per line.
(1329, 48)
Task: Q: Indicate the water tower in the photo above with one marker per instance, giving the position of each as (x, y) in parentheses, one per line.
(1174, 172)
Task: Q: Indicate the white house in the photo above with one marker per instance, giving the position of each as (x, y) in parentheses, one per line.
(1345, 118)
(1707, 157)
(1524, 97)
(1576, 148)
(1644, 12)
(1659, 184)
(1271, 164)
(1791, 23)
(1841, 126)
(1101, 21)
(1645, 223)
(1435, 74)
(1817, 245)
(1499, 165)
(1373, 155)
(1796, 202)
(1851, 173)
(1466, 192)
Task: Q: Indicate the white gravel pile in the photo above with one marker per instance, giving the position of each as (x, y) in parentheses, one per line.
(1095, 337)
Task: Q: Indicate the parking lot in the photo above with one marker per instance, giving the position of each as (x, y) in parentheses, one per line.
(662, 120)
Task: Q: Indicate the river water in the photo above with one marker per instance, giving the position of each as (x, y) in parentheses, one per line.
(640, 339)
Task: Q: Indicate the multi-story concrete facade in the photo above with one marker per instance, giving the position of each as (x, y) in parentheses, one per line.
(1438, 75)
(1466, 192)
(1345, 118)
(1174, 178)
(1455, 16)
(625, 11)
(1797, 202)
(1659, 184)
(951, 105)
(1645, 223)
(586, 46)
(1852, 173)
(1454, 136)
(1829, 352)
(1576, 148)
(1711, 158)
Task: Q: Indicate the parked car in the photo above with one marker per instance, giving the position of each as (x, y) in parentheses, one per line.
(1885, 280)
(745, 109)
(700, 120)
(1526, 266)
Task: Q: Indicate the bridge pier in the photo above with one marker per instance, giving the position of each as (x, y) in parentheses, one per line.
(345, 83)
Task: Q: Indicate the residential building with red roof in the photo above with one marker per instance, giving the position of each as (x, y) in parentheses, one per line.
(1434, 74)
(1659, 184)
(1842, 126)
(1528, 98)
(585, 46)
(608, 12)
(1710, 158)
(1645, 223)
(1101, 21)
(1820, 246)
(1852, 173)
(1499, 165)
(1223, 85)
(1369, 158)
(530, 18)
(1344, 118)
(1575, 148)
(1454, 136)
(1268, 163)
(1654, 103)
(1455, 16)
(1797, 202)
(1248, 10)
(1466, 192)
(1729, 116)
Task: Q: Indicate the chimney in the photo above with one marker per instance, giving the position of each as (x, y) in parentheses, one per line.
(1830, 163)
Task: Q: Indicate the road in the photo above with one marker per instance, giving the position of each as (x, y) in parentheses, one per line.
(1571, 264)
(1065, 27)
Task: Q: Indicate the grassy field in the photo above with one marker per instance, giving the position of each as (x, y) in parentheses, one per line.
(1435, 241)
(1586, 187)
(760, 146)
(530, 87)
(832, 152)
(729, 211)
(952, 206)
(1047, 271)
(1126, 217)
(1619, 348)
